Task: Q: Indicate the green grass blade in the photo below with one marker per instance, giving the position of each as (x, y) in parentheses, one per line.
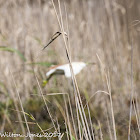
(4, 48)
(41, 64)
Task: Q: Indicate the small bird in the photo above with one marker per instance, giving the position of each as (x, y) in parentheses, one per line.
(65, 69)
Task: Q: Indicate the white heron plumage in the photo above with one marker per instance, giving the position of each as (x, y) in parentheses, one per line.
(65, 69)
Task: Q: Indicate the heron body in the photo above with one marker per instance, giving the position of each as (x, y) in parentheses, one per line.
(65, 69)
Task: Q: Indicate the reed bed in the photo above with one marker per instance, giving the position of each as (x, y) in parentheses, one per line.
(101, 102)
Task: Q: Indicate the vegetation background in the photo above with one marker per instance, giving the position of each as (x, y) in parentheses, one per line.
(105, 28)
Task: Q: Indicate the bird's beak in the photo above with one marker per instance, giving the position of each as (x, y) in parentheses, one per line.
(91, 63)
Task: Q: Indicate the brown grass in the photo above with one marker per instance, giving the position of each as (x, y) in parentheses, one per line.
(98, 31)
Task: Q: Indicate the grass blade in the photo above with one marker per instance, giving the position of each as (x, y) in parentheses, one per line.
(4, 48)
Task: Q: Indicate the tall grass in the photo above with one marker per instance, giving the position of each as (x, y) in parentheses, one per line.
(97, 104)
